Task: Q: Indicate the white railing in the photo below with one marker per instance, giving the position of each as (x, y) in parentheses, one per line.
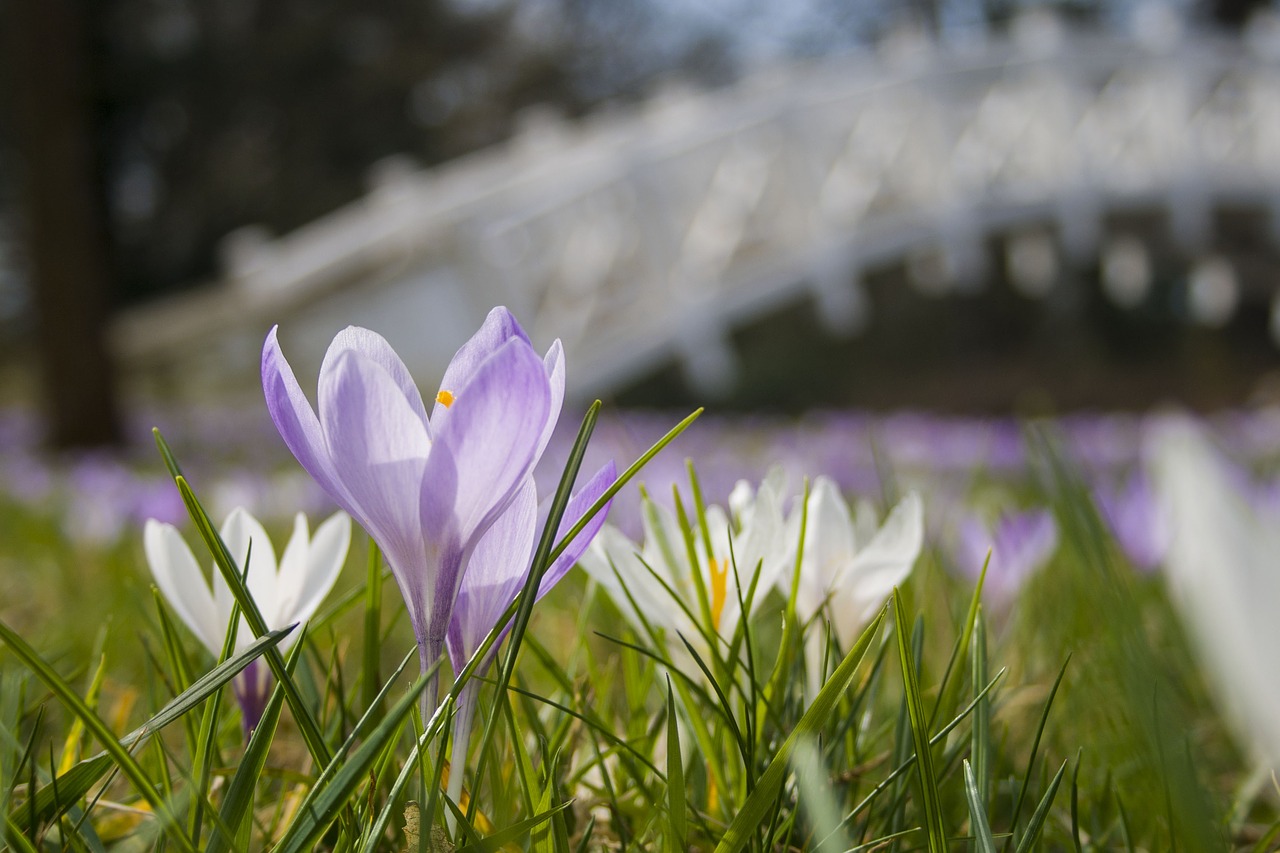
(642, 234)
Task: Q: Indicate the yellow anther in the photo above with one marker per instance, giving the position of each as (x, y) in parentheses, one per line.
(719, 589)
(445, 398)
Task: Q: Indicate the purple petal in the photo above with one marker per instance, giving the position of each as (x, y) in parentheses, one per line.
(553, 361)
(495, 572)
(577, 507)
(486, 441)
(375, 347)
(498, 328)
(297, 423)
(380, 449)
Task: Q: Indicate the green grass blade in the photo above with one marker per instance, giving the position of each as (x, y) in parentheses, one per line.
(13, 834)
(675, 776)
(120, 755)
(978, 824)
(818, 797)
(1036, 824)
(760, 801)
(323, 803)
(513, 833)
(528, 594)
(980, 734)
(228, 565)
(931, 801)
(237, 806)
(1075, 803)
(949, 692)
(371, 655)
(1035, 748)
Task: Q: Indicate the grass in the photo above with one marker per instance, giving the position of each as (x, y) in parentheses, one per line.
(1073, 718)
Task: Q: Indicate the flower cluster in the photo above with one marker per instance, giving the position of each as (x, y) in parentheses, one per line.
(449, 497)
(693, 578)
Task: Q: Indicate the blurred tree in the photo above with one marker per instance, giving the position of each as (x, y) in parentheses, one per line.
(47, 69)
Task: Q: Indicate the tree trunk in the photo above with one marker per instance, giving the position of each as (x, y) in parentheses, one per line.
(63, 216)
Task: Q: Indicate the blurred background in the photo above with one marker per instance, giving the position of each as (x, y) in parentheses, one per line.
(960, 206)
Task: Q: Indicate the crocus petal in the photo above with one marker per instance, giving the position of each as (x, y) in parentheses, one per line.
(180, 580)
(304, 583)
(577, 507)
(243, 535)
(887, 559)
(292, 576)
(296, 421)
(375, 348)
(499, 327)
(380, 448)
(486, 442)
(1222, 574)
(883, 564)
(553, 362)
(829, 545)
(495, 572)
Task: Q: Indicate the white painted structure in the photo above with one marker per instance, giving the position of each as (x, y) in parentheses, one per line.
(648, 233)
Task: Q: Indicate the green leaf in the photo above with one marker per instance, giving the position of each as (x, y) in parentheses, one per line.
(237, 807)
(345, 773)
(55, 798)
(512, 833)
(818, 797)
(120, 755)
(931, 801)
(528, 594)
(1035, 748)
(760, 801)
(675, 776)
(978, 813)
(372, 652)
(229, 567)
(980, 735)
(1041, 813)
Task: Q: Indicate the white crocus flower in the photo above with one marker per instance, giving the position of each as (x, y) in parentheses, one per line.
(753, 539)
(286, 592)
(1223, 567)
(850, 565)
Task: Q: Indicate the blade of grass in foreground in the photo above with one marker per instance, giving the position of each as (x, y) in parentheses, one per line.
(119, 753)
(978, 824)
(932, 802)
(237, 806)
(1041, 813)
(675, 776)
(528, 594)
(1035, 748)
(67, 789)
(322, 804)
(760, 802)
(545, 554)
(229, 568)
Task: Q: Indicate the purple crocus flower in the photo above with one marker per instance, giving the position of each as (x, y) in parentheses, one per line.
(1137, 519)
(1020, 544)
(425, 489)
(497, 571)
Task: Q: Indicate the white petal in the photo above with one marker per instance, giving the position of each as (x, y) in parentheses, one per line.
(1222, 569)
(303, 587)
(829, 543)
(292, 577)
(178, 575)
(879, 567)
(243, 536)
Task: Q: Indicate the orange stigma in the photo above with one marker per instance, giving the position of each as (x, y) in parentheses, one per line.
(445, 398)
